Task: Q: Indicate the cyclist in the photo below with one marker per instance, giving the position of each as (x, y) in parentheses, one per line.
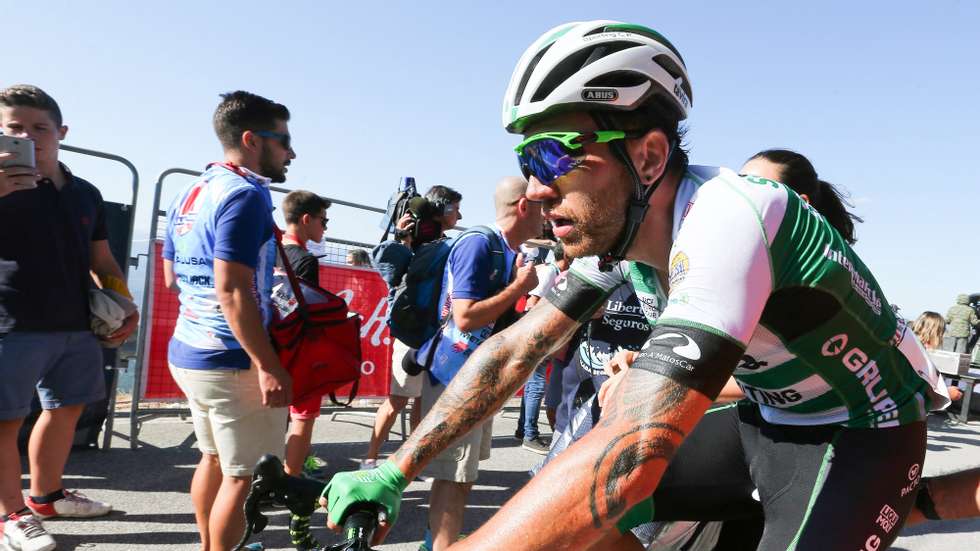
(751, 280)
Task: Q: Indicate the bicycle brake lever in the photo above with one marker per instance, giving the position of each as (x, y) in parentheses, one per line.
(267, 474)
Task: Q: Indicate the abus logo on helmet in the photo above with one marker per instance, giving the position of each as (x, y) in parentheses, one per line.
(600, 94)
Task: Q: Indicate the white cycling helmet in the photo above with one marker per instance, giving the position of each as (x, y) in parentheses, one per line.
(595, 65)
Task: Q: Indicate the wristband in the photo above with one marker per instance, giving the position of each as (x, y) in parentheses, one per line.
(116, 284)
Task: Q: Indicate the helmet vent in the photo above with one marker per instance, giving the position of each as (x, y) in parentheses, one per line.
(640, 30)
(618, 79)
(530, 70)
(574, 62)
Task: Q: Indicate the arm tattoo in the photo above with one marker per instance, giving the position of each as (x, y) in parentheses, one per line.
(652, 400)
(488, 378)
(643, 408)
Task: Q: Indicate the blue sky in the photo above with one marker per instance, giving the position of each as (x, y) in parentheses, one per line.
(882, 96)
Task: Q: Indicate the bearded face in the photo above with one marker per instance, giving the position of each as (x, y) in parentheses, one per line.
(588, 215)
(273, 165)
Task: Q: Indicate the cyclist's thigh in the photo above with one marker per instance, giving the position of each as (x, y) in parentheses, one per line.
(851, 492)
(708, 479)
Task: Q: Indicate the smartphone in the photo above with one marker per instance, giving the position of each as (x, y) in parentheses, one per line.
(535, 256)
(23, 147)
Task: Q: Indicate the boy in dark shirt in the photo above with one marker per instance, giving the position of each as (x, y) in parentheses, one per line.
(306, 220)
(54, 248)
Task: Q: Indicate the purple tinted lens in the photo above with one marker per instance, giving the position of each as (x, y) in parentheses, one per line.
(547, 160)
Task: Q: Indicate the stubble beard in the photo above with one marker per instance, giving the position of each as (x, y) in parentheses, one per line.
(597, 227)
(269, 168)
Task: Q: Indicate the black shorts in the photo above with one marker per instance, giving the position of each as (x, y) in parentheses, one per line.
(819, 487)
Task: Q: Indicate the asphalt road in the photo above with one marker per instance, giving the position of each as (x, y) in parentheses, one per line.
(149, 487)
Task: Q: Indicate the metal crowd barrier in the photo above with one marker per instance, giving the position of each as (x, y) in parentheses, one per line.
(121, 358)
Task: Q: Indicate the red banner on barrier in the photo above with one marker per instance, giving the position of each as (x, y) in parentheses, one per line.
(363, 289)
(367, 294)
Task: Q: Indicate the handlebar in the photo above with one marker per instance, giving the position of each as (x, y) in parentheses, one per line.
(301, 497)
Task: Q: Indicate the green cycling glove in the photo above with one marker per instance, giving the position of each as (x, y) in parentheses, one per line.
(382, 485)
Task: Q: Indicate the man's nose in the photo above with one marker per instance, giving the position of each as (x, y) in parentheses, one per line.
(536, 191)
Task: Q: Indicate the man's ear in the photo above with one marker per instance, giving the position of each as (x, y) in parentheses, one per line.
(650, 153)
(522, 206)
(62, 132)
(249, 141)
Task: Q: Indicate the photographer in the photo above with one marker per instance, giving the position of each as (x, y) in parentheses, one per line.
(426, 220)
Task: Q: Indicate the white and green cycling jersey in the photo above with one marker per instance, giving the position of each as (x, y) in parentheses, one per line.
(754, 263)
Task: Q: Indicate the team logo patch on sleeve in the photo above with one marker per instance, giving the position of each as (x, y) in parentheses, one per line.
(679, 344)
(679, 265)
(695, 357)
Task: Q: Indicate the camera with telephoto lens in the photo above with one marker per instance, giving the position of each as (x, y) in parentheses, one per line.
(424, 212)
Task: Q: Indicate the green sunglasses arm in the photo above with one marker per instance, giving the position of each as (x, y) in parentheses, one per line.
(568, 139)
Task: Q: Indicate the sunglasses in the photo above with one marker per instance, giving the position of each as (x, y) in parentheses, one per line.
(550, 155)
(323, 222)
(283, 139)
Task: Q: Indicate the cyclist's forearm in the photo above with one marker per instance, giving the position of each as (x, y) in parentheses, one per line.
(494, 372)
(619, 463)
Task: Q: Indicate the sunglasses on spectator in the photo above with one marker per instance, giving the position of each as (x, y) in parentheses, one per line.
(283, 139)
(550, 155)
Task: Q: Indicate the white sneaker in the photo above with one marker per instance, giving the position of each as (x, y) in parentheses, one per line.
(367, 464)
(74, 504)
(26, 533)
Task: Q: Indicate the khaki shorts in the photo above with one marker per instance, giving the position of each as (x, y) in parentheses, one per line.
(403, 384)
(460, 462)
(229, 418)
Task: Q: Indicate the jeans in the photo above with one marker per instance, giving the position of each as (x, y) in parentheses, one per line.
(957, 344)
(533, 395)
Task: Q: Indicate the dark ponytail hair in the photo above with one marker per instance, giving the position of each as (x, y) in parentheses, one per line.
(798, 173)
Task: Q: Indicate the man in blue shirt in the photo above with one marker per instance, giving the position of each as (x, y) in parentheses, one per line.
(473, 307)
(219, 252)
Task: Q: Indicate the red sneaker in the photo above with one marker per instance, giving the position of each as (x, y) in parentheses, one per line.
(74, 504)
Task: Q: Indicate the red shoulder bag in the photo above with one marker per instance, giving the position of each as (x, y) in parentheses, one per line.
(317, 337)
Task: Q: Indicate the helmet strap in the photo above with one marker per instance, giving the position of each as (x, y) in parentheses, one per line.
(639, 202)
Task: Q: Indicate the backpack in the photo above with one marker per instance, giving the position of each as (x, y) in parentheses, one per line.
(391, 258)
(414, 316)
(398, 205)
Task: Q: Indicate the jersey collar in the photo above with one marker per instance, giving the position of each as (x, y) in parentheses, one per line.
(249, 175)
